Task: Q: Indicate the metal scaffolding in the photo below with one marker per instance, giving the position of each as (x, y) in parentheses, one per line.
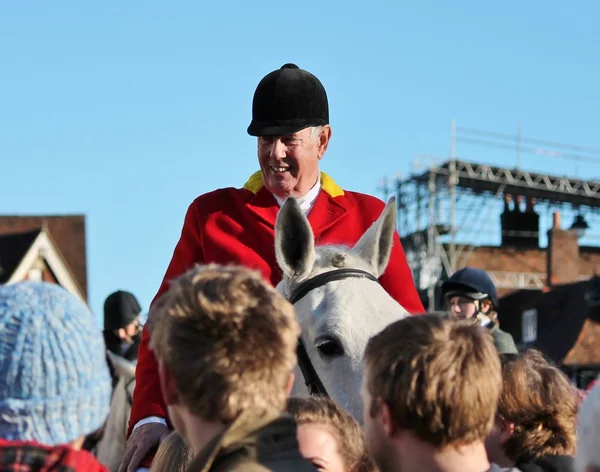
(447, 207)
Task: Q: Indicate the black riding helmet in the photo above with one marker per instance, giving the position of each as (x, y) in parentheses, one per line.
(120, 309)
(287, 100)
(471, 283)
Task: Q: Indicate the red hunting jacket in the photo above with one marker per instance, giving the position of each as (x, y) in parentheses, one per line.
(238, 226)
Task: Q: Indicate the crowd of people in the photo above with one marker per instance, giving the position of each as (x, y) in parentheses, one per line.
(217, 356)
(437, 394)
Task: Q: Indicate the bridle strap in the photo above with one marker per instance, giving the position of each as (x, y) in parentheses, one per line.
(311, 378)
(326, 277)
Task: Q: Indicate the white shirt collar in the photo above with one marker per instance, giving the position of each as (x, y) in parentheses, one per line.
(307, 201)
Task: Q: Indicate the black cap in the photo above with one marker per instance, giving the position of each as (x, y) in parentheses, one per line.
(120, 309)
(287, 100)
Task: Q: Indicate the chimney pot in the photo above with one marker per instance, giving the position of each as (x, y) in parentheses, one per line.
(556, 220)
(518, 201)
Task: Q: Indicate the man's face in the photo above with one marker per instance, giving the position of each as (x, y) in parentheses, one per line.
(377, 441)
(132, 329)
(169, 393)
(462, 308)
(290, 163)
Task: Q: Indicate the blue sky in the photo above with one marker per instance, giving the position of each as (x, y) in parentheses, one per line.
(126, 111)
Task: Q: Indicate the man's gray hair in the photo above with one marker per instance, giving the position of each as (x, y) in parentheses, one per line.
(588, 432)
(315, 132)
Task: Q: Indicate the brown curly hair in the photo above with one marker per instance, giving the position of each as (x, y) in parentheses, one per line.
(348, 434)
(539, 400)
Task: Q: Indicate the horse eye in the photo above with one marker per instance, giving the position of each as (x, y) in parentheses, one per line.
(330, 347)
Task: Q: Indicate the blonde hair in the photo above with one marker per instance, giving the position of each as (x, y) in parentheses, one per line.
(539, 400)
(349, 436)
(173, 455)
(441, 379)
(228, 339)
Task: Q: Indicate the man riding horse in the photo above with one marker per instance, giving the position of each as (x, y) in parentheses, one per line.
(290, 118)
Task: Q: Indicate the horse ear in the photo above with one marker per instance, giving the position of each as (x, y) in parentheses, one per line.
(294, 240)
(123, 367)
(375, 245)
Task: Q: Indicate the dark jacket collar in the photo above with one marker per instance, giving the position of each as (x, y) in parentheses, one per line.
(245, 431)
(547, 464)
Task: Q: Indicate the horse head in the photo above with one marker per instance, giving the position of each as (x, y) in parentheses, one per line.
(338, 316)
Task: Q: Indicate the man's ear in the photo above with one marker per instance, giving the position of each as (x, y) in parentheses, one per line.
(168, 386)
(290, 384)
(324, 140)
(508, 429)
(385, 414)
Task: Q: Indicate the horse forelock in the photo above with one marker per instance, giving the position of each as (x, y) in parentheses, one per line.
(327, 258)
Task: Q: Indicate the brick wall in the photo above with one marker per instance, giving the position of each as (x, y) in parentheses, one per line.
(506, 259)
(532, 260)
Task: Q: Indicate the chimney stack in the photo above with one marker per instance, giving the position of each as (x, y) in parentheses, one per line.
(520, 229)
(563, 254)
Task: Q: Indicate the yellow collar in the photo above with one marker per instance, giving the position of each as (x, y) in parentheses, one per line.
(255, 183)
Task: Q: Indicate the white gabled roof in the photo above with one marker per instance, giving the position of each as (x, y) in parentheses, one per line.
(42, 247)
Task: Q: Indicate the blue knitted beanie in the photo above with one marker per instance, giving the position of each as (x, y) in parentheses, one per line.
(54, 380)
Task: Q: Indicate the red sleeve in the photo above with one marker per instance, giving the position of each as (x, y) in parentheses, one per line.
(147, 397)
(398, 280)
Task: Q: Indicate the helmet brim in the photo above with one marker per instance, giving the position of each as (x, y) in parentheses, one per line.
(452, 289)
(268, 128)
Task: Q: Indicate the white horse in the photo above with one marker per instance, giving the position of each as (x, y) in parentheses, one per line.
(110, 448)
(338, 317)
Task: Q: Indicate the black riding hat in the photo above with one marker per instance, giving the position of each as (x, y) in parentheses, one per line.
(287, 100)
(472, 283)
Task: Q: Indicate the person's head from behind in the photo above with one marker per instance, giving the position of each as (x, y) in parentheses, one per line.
(226, 343)
(537, 411)
(470, 294)
(55, 386)
(430, 388)
(329, 437)
(290, 118)
(588, 433)
(173, 455)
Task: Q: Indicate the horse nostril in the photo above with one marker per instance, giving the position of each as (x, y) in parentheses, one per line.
(330, 347)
